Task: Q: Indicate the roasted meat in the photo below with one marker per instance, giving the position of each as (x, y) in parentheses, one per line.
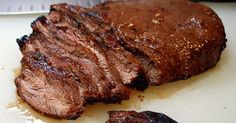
(77, 56)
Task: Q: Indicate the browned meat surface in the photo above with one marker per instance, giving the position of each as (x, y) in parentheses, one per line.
(77, 56)
(63, 55)
(136, 117)
(176, 39)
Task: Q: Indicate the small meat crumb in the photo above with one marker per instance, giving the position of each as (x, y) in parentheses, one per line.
(141, 98)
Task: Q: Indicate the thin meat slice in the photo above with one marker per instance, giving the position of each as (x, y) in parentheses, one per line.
(138, 117)
(82, 67)
(47, 89)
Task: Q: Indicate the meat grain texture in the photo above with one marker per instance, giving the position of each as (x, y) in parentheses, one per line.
(77, 56)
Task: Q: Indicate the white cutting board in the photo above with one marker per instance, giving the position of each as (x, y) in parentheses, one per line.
(206, 98)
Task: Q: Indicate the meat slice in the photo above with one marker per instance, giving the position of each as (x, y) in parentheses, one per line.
(48, 89)
(127, 65)
(136, 117)
(175, 39)
(64, 68)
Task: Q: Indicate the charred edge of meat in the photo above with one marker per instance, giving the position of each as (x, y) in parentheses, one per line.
(74, 117)
(115, 99)
(52, 9)
(41, 19)
(91, 14)
(139, 82)
(224, 45)
(91, 101)
(22, 41)
(140, 117)
(157, 117)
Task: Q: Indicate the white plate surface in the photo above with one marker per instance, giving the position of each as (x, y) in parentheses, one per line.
(206, 98)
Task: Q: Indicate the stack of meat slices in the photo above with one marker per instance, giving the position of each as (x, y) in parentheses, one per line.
(77, 56)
